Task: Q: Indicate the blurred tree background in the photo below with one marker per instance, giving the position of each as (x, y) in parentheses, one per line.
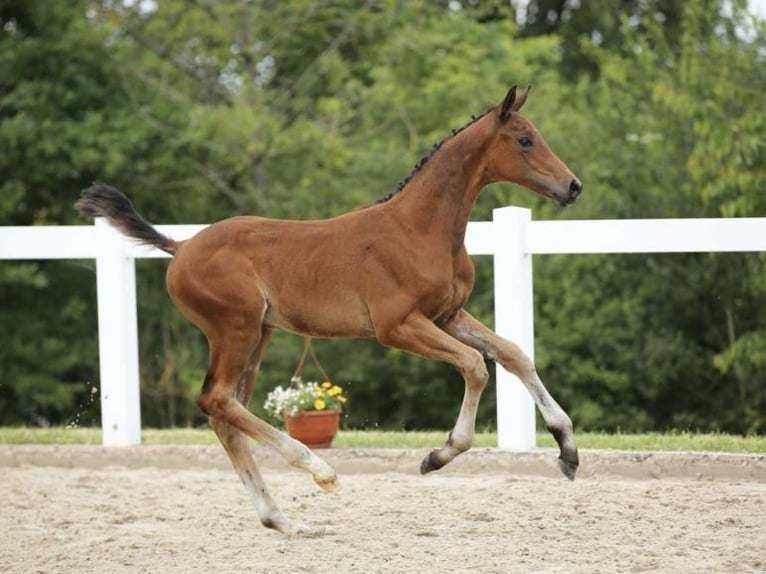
(203, 109)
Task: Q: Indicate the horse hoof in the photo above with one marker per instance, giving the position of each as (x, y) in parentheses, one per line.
(569, 469)
(430, 463)
(284, 525)
(328, 483)
(324, 475)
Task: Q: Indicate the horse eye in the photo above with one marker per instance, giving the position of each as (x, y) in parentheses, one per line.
(525, 142)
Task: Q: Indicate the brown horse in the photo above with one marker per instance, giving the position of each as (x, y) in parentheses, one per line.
(397, 271)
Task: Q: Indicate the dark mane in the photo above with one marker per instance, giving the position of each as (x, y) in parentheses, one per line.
(425, 158)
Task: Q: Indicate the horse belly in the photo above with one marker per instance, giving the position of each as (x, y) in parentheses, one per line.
(320, 317)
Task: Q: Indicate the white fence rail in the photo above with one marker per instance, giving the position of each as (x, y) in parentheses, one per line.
(511, 237)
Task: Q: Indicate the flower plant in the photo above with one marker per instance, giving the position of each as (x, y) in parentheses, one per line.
(302, 396)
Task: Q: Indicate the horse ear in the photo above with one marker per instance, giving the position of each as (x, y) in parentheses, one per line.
(518, 102)
(507, 106)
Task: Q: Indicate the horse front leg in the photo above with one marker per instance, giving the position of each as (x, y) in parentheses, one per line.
(464, 327)
(418, 335)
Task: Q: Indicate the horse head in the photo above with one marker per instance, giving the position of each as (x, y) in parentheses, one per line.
(520, 155)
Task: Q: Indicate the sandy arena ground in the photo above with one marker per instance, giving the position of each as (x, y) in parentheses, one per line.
(86, 509)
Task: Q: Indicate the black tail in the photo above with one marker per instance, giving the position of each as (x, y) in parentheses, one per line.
(101, 200)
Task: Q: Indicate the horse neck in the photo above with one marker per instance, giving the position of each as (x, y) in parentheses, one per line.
(439, 197)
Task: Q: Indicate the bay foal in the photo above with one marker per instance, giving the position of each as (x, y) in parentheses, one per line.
(397, 271)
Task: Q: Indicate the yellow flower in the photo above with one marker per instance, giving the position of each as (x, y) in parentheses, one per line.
(335, 390)
(326, 385)
(341, 400)
(319, 404)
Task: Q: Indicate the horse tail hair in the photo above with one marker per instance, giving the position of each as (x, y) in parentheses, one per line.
(101, 200)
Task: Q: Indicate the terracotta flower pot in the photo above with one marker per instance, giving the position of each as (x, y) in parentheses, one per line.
(315, 429)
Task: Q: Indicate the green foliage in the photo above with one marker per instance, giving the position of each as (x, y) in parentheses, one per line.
(605, 24)
(50, 349)
(202, 110)
(646, 331)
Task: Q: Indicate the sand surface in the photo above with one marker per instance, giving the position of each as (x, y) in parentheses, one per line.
(146, 512)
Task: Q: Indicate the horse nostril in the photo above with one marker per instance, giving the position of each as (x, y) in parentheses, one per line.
(575, 188)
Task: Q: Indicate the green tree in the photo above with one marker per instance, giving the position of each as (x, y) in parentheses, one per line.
(54, 113)
(633, 342)
(606, 24)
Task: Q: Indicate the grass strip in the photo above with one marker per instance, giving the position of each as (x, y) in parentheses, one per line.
(674, 441)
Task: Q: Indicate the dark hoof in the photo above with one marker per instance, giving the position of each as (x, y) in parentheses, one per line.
(569, 468)
(430, 463)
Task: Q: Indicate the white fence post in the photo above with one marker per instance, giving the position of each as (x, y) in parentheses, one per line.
(514, 320)
(117, 339)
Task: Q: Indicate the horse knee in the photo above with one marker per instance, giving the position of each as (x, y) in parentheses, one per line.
(517, 362)
(476, 373)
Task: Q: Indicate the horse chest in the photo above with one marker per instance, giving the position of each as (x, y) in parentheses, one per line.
(449, 286)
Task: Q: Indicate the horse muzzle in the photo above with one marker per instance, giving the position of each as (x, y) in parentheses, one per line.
(568, 197)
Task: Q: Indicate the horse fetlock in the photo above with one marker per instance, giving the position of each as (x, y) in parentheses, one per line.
(562, 430)
(459, 442)
(569, 459)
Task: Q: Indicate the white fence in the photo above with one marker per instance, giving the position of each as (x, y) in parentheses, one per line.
(511, 237)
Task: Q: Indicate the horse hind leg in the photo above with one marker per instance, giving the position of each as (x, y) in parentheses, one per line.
(230, 360)
(235, 443)
(237, 340)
